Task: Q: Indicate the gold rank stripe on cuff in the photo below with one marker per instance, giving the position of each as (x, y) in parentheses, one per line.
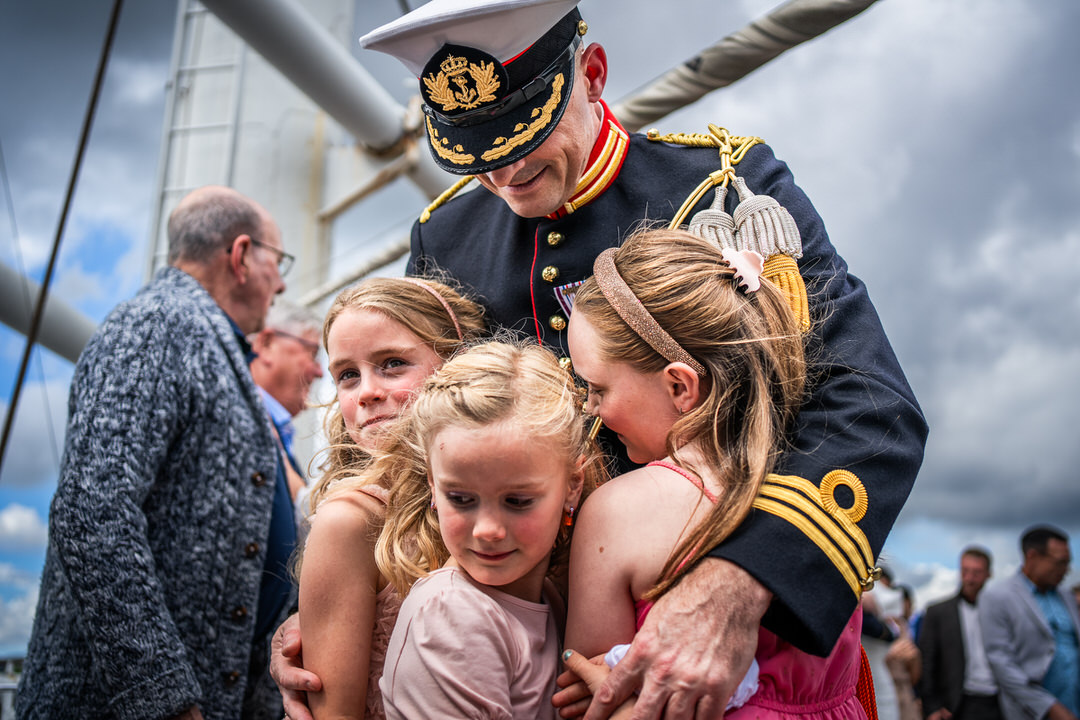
(801, 503)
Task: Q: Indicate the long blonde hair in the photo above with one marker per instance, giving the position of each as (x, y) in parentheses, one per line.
(417, 309)
(486, 384)
(750, 346)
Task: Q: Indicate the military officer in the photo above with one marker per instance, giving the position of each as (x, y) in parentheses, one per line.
(512, 102)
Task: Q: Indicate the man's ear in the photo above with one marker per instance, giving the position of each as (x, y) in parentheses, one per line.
(238, 257)
(261, 340)
(594, 67)
(684, 386)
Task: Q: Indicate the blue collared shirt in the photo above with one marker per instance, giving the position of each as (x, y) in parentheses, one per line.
(1062, 679)
(281, 418)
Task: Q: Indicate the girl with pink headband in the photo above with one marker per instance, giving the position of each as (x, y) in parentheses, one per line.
(697, 363)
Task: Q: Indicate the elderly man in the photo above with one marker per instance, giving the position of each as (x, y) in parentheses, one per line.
(156, 596)
(1030, 629)
(286, 364)
(512, 99)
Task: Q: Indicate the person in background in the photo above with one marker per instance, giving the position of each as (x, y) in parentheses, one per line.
(286, 364)
(882, 609)
(904, 660)
(957, 681)
(158, 593)
(1029, 628)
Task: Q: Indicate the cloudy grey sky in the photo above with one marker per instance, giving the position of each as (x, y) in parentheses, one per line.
(940, 142)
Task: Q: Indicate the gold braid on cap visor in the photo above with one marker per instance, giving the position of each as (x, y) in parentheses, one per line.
(630, 309)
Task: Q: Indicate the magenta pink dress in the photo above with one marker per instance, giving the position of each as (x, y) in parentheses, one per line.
(795, 685)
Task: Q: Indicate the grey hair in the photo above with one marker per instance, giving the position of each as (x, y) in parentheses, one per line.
(293, 319)
(207, 223)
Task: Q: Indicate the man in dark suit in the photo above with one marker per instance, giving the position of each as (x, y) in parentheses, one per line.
(957, 681)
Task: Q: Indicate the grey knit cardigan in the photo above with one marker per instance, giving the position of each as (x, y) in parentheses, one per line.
(158, 528)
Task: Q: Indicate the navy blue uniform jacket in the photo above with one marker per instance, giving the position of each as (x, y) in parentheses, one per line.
(802, 541)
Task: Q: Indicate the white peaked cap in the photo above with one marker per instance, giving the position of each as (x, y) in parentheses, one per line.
(501, 28)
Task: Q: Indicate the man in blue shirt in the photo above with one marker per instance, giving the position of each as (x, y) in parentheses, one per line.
(286, 364)
(1030, 630)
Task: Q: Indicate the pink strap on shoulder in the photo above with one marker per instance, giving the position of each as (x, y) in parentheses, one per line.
(694, 479)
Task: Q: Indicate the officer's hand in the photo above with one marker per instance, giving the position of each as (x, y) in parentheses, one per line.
(288, 671)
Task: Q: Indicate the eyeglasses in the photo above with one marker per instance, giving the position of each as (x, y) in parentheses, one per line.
(284, 259)
(311, 347)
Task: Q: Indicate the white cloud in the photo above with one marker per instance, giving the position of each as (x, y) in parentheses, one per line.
(16, 621)
(137, 81)
(21, 528)
(12, 576)
(42, 417)
(75, 285)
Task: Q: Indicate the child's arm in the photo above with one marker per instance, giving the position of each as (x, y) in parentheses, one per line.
(601, 603)
(338, 585)
(593, 673)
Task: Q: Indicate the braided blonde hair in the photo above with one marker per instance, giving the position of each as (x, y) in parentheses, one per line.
(489, 383)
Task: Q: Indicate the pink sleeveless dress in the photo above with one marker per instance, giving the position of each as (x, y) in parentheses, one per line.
(794, 685)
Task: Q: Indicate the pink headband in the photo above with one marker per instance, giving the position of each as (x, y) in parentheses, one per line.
(442, 301)
(630, 309)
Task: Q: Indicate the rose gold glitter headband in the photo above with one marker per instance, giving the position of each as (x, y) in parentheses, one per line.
(442, 301)
(630, 309)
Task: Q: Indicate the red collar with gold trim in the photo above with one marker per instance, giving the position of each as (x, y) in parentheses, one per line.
(605, 161)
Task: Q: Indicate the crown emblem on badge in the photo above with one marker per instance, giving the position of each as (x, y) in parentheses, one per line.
(463, 80)
(454, 66)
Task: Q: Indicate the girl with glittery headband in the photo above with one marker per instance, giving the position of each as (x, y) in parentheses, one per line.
(383, 338)
(698, 365)
(486, 470)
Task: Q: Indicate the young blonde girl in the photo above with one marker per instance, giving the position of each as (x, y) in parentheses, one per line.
(709, 416)
(383, 338)
(486, 475)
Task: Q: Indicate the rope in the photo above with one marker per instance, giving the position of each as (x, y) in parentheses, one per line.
(864, 688)
(446, 195)
(20, 266)
(43, 293)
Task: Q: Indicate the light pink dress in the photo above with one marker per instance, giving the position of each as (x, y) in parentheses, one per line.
(465, 650)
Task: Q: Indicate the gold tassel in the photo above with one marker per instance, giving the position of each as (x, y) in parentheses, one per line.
(783, 272)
